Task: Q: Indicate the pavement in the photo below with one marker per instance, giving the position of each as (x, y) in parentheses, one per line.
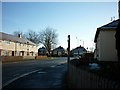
(46, 77)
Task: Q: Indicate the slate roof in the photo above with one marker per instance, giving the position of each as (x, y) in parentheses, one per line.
(42, 49)
(111, 25)
(4, 36)
(58, 48)
(79, 48)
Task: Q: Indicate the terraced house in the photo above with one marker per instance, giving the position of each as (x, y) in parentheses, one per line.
(16, 46)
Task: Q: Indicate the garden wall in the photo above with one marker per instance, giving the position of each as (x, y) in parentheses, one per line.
(79, 78)
(13, 58)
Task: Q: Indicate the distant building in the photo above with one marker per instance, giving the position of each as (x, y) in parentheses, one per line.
(16, 46)
(60, 51)
(78, 51)
(105, 49)
(42, 51)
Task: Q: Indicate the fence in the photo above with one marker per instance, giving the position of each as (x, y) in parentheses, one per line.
(79, 78)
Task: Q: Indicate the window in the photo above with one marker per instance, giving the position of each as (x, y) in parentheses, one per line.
(27, 53)
(18, 44)
(7, 42)
(21, 44)
(6, 53)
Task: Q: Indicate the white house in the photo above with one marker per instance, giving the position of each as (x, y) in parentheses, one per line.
(78, 51)
(59, 51)
(105, 42)
(16, 46)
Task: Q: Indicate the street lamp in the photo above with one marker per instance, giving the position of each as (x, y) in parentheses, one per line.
(83, 42)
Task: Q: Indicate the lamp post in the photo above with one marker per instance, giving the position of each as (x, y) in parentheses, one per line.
(82, 42)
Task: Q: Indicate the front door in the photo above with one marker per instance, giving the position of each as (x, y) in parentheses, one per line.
(22, 53)
(12, 53)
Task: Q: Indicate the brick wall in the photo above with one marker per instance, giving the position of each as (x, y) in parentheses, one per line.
(39, 57)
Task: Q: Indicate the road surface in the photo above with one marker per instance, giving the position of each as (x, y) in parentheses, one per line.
(35, 74)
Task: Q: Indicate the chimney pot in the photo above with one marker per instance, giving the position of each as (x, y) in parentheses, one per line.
(20, 35)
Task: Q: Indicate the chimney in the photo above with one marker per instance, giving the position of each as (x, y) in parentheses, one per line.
(20, 35)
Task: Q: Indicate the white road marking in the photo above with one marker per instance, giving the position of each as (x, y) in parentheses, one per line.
(42, 72)
(53, 66)
(23, 75)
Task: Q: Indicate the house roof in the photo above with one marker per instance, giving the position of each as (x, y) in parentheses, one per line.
(80, 48)
(4, 36)
(109, 26)
(58, 48)
(42, 49)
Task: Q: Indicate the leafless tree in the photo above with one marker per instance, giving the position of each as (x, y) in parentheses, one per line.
(32, 36)
(16, 33)
(48, 38)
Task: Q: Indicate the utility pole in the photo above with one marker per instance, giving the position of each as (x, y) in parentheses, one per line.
(68, 48)
(119, 8)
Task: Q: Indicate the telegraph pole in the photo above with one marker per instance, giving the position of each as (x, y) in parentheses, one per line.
(68, 48)
(119, 8)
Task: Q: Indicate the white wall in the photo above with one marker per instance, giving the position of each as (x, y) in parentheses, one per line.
(106, 46)
(13, 46)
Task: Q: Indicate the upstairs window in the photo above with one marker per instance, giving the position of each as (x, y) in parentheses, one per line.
(18, 44)
(7, 42)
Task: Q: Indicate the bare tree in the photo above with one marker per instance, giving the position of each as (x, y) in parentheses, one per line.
(48, 38)
(33, 36)
(30, 35)
(16, 33)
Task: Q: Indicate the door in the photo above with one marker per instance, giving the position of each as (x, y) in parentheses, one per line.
(12, 53)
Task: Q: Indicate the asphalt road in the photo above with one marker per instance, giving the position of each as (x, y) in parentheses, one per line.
(35, 74)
